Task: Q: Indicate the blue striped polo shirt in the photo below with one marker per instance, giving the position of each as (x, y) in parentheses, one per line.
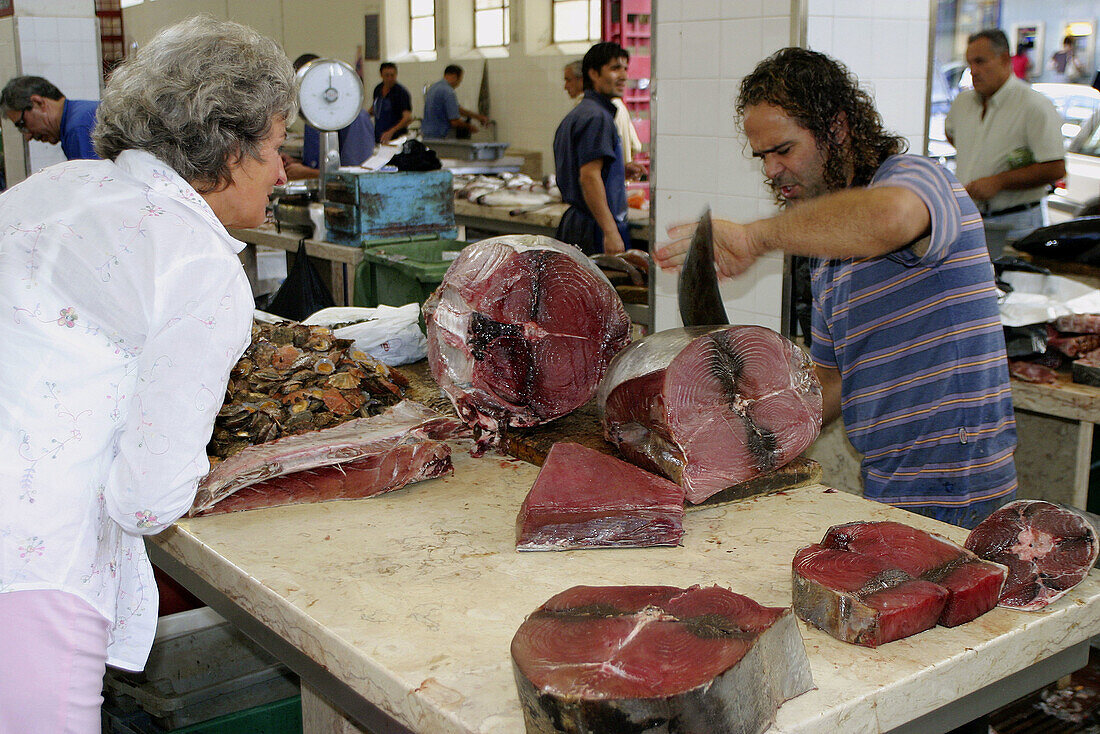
(918, 342)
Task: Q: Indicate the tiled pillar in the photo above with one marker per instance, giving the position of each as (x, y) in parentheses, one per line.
(58, 40)
(703, 49)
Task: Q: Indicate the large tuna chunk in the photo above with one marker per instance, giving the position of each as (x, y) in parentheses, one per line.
(521, 331)
(862, 599)
(585, 499)
(974, 585)
(1048, 549)
(656, 658)
(709, 407)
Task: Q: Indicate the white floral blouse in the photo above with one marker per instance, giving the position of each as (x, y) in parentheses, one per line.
(123, 307)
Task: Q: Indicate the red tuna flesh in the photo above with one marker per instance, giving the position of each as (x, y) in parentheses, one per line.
(585, 499)
(974, 585)
(1080, 323)
(1048, 548)
(630, 658)
(393, 464)
(347, 442)
(521, 330)
(709, 407)
(862, 599)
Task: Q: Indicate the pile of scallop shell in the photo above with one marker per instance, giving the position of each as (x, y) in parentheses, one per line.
(295, 378)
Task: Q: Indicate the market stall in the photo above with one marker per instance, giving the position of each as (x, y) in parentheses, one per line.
(397, 611)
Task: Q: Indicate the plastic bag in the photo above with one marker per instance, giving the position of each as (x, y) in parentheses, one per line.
(391, 334)
(303, 292)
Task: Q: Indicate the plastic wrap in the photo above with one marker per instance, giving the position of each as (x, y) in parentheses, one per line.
(521, 330)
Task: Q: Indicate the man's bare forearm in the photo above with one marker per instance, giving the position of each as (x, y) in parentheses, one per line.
(852, 223)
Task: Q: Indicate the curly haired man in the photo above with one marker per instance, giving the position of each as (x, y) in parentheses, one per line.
(907, 339)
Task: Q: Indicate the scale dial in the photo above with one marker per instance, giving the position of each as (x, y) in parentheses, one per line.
(330, 94)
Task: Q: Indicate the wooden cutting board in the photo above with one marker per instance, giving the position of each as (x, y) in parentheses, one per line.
(583, 426)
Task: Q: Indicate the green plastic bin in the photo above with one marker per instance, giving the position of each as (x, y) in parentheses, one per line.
(397, 272)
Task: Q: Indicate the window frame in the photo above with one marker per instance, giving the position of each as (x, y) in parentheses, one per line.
(506, 33)
(435, 38)
(597, 4)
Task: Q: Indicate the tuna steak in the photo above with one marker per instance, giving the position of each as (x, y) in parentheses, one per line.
(357, 439)
(392, 463)
(521, 330)
(862, 599)
(709, 407)
(974, 585)
(585, 499)
(1079, 323)
(1048, 549)
(656, 659)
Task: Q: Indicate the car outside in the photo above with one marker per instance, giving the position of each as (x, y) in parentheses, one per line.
(1081, 186)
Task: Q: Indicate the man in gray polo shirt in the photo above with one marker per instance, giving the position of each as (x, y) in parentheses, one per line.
(1009, 142)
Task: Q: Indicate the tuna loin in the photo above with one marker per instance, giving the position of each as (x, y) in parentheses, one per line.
(585, 499)
(392, 463)
(974, 585)
(1048, 549)
(399, 429)
(709, 407)
(862, 599)
(656, 658)
(521, 330)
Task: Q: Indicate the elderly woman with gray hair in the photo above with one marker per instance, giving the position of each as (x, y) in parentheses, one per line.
(124, 308)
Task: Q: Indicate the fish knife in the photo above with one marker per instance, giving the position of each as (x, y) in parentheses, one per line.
(700, 301)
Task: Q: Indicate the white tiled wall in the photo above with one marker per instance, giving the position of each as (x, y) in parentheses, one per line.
(885, 44)
(65, 51)
(704, 48)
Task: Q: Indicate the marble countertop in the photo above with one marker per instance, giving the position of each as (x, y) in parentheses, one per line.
(412, 597)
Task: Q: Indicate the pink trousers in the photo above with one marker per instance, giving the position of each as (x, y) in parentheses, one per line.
(53, 653)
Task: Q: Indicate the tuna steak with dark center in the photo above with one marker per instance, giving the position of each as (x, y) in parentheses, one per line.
(974, 585)
(521, 331)
(862, 599)
(709, 407)
(656, 658)
(1048, 549)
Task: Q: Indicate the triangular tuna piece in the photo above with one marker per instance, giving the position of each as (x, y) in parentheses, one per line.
(585, 499)
(657, 658)
(862, 599)
(1048, 549)
(974, 584)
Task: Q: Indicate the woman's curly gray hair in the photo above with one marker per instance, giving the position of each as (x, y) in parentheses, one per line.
(200, 96)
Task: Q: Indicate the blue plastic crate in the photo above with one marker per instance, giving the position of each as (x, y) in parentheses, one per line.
(360, 207)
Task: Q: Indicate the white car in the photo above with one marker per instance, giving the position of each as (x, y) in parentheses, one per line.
(1076, 103)
(1082, 182)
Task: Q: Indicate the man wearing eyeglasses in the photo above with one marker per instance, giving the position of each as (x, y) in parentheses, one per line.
(41, 112)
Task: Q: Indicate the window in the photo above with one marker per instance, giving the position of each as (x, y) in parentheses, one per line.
(129, 3)
(490, 23)
(576, 20)
(422, 25)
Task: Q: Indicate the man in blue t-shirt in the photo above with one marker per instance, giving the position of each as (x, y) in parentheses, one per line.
(356, 141)
(39, 111)
(392, 106)
(907, 338)
(444, 117)
(588, 157)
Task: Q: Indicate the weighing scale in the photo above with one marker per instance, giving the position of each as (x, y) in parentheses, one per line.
(330, 97)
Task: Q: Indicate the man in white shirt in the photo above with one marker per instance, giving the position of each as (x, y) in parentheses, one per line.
(1009, 142)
